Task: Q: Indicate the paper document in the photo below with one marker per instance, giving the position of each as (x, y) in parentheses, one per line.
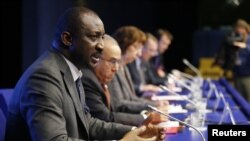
(175, 109)
(169, 97)
(169, 124)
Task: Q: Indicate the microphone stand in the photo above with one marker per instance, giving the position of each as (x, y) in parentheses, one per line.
(192, 67)
(188, 76)
(194, 91)
(185, 98)
(228, 109)
(160, 112)
(183, 84)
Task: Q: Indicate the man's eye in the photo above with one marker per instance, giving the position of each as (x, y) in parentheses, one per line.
(93, 36)
(113, 61)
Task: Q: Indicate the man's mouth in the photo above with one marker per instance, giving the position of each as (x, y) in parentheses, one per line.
(111, 76)
(108, 79)
(95, 57)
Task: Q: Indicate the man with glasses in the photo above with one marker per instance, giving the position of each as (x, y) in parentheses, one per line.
(95, 82)
(165, 39)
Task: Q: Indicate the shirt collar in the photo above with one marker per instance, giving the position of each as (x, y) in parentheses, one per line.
(138, 63)
(76, 73)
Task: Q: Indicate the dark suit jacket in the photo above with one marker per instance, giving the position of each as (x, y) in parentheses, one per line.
(135, 77)
(124, 97)
(45, 106)
(96, 101)
(156, 63)
(149, 75)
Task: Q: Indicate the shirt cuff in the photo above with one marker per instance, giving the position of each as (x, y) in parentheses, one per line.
(144, 114)
(133, 128)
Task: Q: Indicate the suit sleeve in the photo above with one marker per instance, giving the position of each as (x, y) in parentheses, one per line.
(135, 78)
(142, 100)
(248, 43)
(95, 101)
(122, 104)
(41, 107)
(152, 76)
(101, 130)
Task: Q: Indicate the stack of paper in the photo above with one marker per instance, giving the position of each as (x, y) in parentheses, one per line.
(169, 124)
(172, 127)
(174, 109)
(169, 97)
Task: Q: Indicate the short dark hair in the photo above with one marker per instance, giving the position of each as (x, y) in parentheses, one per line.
(160, 32)
(70, 21)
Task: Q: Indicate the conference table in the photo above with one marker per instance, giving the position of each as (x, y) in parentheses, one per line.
(239, 106)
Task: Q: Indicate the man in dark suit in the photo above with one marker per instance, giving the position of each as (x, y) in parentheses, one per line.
(148, 52)
(47, 104)
(165, 39)
(95, 82)
(141, 70)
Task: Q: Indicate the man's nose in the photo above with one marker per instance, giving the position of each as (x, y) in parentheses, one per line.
(99, 47)
(139, 52)
(116, 67)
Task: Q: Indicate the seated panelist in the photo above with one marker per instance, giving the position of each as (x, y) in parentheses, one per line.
(95, 81)
(141, 70)
(48, 102)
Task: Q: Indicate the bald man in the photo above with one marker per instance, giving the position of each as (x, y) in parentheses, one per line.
(95, 85)
(97, 93)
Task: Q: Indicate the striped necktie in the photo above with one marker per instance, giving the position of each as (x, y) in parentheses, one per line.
(81, 93)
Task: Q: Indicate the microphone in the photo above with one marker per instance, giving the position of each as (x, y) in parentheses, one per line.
(181, 83)
(173, 118)
(185, 98)
(182, 76)
(177, 72)
(192, 67)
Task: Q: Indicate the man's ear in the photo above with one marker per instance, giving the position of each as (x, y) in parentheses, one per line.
(66, 38)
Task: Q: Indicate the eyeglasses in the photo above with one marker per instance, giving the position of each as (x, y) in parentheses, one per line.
(113, 62)
(151, 50)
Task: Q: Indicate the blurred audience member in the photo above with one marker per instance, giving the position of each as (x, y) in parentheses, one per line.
(234, 55)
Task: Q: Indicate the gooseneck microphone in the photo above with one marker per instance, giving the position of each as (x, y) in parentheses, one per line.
(192, 67)
(181, 83)
(185, 75)
(173, 118)
(185, 98)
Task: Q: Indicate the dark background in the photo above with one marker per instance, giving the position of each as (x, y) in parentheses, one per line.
(27, 26)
